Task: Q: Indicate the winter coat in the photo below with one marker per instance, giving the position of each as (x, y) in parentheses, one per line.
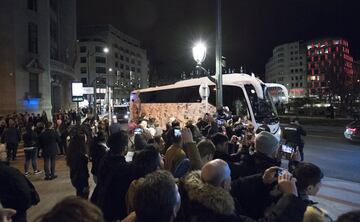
(193, 154)
(48, 142)
(114, 178)
(30, 139)
(256, 163)
(205, 202)
(97, 152)
(12, 135)
(15, 191)
(173, 156)
(79, 173)
(231, 161)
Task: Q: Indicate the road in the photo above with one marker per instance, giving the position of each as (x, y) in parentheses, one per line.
(327, 148)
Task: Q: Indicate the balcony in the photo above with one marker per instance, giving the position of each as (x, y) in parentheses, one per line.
(60, 68)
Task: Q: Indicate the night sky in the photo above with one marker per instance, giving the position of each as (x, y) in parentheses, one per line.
(251, 28)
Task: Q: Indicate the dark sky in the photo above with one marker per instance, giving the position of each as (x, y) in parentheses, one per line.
(251, 28)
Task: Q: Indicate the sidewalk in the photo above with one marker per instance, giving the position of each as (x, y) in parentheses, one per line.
(338, 196)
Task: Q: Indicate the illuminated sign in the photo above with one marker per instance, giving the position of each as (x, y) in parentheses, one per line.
(77, 92)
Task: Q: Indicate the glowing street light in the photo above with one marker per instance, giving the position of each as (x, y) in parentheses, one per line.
(106, 50)
(110, 69)
(199, 52)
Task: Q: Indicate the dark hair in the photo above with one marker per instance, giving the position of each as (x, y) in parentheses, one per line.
(352, 216)
(146, 161)
(219, 138)
(175, 123)
(156, 197)
(75, 150)
(206, 147)
(73, 209)
(117, 142)
(307, 174)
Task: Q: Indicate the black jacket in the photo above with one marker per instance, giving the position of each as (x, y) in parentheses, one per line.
(204, 202)
(30, 139)
(48, 142)
(256, 163)
(12, 135)
(114, 178)
(292, 134)
(15, 191)
(97, 152)
(79, 173)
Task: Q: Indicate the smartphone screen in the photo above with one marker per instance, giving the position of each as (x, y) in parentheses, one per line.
(138, 131)
(287, 149)
(177, 133)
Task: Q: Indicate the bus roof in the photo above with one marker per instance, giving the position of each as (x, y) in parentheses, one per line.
(228, 79)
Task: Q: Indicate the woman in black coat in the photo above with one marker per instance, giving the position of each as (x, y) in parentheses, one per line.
(77, 160)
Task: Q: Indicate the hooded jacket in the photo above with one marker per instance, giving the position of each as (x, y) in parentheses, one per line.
(205, 202)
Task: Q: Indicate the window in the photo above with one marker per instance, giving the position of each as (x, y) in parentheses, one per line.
(99, 49)
(138, 70)
(34, 84)
(101, 70)
(127, 59)
(82, 48)
(121, 66)
(82, 59)
(83, 70)
(32, 5)
(127, 67)
(296, 77)
(292, 85)
(296, 84)
(292, 78)
(84, 81)
(100, 59)
(116, 55)
(116, 64)
(133, 69)
(301, 84)
(132, 61)
(33, 37)
(292, 71)
(121, 57)
(139, 63)
(300, 77)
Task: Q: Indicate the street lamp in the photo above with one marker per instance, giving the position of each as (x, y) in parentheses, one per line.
(199, 53)
(106, 50)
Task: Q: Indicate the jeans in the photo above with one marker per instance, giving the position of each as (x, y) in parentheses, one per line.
(49, 170)
(11, 149)
(30, 154)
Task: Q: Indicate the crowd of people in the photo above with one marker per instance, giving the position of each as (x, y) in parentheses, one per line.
(217, 169)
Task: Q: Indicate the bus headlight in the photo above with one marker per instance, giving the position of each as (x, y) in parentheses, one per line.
(126, 116)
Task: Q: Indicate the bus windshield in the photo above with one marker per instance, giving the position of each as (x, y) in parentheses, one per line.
(263, 109)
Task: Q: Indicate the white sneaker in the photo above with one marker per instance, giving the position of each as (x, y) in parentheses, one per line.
(36, 172)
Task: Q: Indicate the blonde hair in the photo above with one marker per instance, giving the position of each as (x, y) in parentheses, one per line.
(315, 214)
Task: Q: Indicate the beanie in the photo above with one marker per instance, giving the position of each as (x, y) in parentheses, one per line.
(266, 143)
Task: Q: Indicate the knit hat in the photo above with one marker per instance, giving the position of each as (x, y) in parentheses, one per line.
(266, 143)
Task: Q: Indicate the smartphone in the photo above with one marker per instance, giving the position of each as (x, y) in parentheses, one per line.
(177, 132)
(279, 172)
(138, 131)
(287, 149)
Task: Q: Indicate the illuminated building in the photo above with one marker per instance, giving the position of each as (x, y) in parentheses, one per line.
(287, 66)
(329, 66)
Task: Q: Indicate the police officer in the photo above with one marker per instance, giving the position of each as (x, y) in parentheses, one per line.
(292, 135)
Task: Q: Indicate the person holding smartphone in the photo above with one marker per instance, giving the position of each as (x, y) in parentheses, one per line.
(174, 153)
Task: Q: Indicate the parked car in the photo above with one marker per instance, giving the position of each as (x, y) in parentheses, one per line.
(352, 131)
(122, 112)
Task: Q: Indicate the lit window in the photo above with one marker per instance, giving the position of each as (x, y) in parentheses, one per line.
(312, 78)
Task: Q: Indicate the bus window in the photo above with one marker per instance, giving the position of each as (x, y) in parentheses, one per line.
(233, 97)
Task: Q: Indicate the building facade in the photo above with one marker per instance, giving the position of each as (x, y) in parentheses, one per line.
(124, 67)
(287, 66)
(37, 38)
(329, 67)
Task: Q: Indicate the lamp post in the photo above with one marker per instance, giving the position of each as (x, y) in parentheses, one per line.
(106, 51)
(199, 54)
(218, 55)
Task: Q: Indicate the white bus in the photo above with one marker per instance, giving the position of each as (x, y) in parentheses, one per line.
(245, 95)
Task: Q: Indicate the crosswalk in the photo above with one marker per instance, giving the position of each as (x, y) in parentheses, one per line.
(338, 196)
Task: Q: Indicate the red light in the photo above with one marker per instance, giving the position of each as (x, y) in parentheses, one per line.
(352, 130)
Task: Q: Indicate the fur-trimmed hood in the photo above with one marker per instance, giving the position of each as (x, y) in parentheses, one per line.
(214, 198)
